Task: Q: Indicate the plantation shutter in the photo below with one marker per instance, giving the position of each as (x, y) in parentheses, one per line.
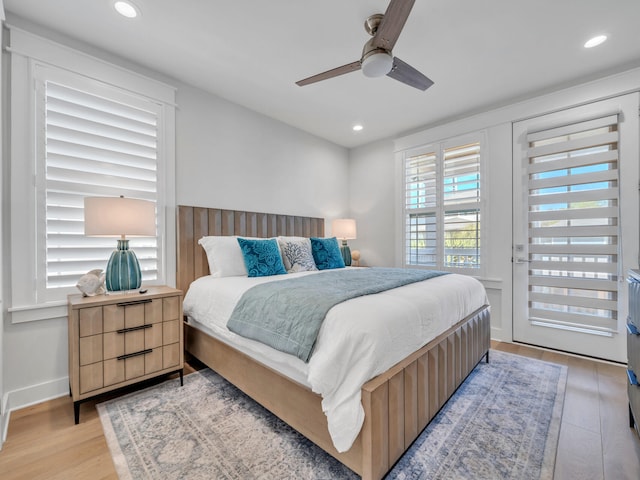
(95, 146)
(461, 199)
(421, 199)
(573, 177)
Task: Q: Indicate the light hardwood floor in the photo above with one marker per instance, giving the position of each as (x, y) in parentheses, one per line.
(595, 439)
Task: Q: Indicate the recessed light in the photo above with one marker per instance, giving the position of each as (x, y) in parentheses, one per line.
(126, 9)
(357, 128)
(595, 41)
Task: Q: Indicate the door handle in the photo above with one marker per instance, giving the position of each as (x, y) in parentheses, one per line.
(521, 260)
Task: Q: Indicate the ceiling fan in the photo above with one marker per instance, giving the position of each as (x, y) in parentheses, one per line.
(377, 59)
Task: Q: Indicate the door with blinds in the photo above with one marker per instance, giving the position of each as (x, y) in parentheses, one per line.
(575, 227)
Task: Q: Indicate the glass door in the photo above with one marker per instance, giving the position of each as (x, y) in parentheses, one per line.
(575, 197)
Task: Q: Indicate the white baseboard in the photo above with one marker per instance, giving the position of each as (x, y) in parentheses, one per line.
(498, 334)
(33, 394)
(4, 426)
(4, 419)
(27, 396)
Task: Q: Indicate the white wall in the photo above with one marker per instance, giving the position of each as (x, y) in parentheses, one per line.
(373, 200)
(231, 157)
(226, 156)
(371, 190)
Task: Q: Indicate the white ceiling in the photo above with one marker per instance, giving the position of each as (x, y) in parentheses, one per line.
(480, 53)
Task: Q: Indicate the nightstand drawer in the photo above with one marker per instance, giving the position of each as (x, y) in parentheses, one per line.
(91, 377)
(153, 336)
(113, 372)
(133, 342)
(118, 370)
(153, 361)
(171, 308)
(90, 321)
(170, 332)
(113, 316)
(123, 342)
(153, 311)
(134, 315)
(90, 349)
(171, 355)
(134, 367)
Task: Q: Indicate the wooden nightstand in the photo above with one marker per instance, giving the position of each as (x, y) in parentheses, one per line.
(120, 339)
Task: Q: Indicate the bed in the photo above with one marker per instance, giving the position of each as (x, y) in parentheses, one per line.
(397, 403)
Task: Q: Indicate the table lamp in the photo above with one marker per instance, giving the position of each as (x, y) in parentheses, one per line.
(120, 217)
(344, 229)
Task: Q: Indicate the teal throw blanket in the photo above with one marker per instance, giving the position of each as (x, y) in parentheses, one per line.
(287, 314)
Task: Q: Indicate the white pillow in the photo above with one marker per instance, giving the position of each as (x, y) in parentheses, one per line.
(224, 256)
(296, 254)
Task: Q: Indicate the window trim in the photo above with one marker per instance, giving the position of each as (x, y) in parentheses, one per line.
(28, 52)
(439, 147)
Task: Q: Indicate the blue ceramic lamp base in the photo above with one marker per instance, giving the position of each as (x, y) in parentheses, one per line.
(346, 253)
(123, 269)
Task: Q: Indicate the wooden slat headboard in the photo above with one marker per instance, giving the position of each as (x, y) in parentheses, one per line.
(195, 222)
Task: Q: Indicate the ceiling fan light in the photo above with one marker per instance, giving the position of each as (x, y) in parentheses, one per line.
(377, 64)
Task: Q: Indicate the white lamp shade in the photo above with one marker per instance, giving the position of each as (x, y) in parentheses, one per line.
(119, 216)
(344, 228)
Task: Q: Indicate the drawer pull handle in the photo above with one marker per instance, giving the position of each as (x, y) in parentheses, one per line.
(631, 328)
(133, 329)
(632, 377)
(134, 302)
(129, 355)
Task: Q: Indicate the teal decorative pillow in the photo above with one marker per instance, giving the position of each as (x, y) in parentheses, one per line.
(326, 253)
(261, 257)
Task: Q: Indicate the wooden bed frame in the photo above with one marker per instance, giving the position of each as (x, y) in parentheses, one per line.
(398, 404)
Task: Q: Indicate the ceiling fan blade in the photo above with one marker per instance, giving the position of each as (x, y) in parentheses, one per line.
(392, 23)
(405, 73)
(350, 67)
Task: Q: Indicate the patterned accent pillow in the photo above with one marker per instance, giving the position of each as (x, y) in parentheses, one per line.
(326, 253)
(296, 254)
(261, 257)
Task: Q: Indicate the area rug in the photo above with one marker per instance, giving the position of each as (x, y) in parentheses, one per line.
(502, 423)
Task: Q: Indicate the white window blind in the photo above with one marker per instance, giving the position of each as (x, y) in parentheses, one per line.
(442, 207)
(421, 198)
(573, 178)
(95, 146)
(461, 200)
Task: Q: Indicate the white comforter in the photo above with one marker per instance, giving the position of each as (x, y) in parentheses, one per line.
(359, 339)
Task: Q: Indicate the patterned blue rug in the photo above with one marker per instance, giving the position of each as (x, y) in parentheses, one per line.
(502, 423)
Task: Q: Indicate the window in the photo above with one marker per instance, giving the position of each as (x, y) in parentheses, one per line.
(81, 127)
(442, 207)
(99, 146)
